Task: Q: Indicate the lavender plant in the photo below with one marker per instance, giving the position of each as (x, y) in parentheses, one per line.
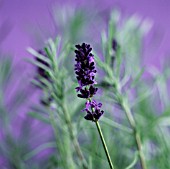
(117, 75)
(51, 79)
(85, 71)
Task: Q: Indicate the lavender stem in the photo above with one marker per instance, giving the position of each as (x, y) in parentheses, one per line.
(104, 144)
(136, 134)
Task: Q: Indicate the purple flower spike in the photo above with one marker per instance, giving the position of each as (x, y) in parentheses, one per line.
(85, 73)
(85, 67)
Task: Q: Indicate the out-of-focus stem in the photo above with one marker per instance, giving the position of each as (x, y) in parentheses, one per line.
(132, 123)
(136, 134)
(56, 134)
(73, 138)
(104, 145)
(71, 132)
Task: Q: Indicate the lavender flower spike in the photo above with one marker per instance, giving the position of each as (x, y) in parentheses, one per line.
(84, 68)
(85, 73)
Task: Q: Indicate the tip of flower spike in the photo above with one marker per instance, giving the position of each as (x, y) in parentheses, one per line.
(83, 45)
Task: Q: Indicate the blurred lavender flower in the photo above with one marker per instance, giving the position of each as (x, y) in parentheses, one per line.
(43, 74)
(114, 50)
(85, 71)
(40, 71)
(114, 45)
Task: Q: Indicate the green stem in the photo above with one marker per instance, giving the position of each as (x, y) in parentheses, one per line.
(136, 134)
(70, 128)
(61, 149)
(73, 138)
(127, 110)
(104, 145)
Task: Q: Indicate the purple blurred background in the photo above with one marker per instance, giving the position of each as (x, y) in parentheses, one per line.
(20, 19)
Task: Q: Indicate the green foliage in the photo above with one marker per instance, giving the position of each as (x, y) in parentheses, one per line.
(12, 148)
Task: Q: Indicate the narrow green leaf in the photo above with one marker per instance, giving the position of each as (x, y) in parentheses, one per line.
(104, 42)
(105, 67)
(138, 77)
(133, 162)
(39, 117)
(38, 55)
(116, 125)
(38, 64)
(39, 149)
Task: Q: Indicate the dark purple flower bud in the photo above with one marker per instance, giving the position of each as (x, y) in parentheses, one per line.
(84, 93)
(89, 116)
(93, 90)
(93, 110)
